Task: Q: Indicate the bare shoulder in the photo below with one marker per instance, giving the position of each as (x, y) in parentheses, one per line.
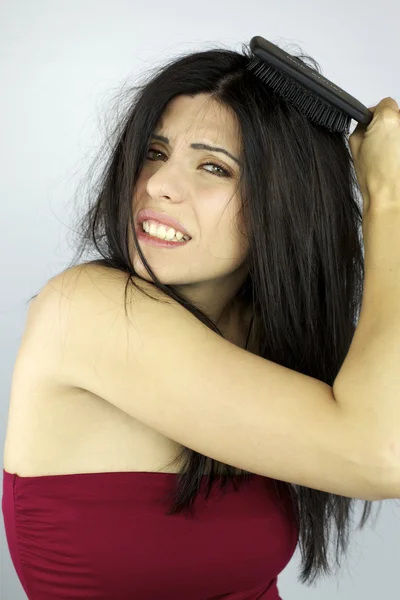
(100, 278)
(71, 290)
(155, 361)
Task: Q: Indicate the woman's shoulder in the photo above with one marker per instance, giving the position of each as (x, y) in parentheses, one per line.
(101, 276)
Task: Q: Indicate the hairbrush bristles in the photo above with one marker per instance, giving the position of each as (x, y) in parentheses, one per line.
(315, 108)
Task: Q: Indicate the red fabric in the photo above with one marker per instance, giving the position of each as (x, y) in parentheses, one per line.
(105, 536)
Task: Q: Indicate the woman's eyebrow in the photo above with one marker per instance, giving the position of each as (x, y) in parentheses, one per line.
(161, 138)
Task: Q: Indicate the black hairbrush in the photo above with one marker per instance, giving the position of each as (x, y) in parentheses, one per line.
(320, 100)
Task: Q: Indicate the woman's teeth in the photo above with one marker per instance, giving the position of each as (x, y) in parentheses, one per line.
(163, 232)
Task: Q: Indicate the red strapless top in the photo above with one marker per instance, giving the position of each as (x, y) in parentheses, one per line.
(105, 536)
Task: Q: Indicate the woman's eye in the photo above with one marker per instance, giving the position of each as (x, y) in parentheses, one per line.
(225, 172)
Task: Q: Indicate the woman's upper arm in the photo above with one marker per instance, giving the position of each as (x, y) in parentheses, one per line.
(162, 366)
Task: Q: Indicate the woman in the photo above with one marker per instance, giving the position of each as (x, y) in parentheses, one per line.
(234, 223)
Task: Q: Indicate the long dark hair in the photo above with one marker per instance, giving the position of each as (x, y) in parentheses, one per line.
(301, 209)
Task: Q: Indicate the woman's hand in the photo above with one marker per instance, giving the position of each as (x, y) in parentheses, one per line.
(376, 156)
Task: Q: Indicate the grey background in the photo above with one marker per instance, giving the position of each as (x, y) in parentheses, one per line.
(61, 64)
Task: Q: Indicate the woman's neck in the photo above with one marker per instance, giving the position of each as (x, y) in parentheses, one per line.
(236, 328)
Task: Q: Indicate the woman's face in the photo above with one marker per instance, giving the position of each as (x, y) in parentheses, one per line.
(176, 181)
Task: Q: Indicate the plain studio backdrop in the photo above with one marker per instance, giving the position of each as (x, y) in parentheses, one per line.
(62, 63)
